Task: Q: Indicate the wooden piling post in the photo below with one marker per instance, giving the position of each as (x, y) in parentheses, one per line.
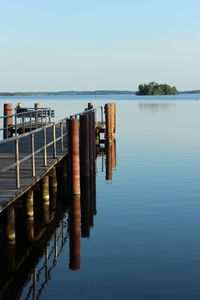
(73, 129)
(53, 191)
(85, 174)
(108, 123)
(10, 223)
(8, 121)
(30, 214)
(84, 145)
(75, 215)
(37, 106)
(45, 198)
(113, 118)
(109, 162)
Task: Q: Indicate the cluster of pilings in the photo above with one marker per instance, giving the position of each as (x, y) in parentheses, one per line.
(75, 177)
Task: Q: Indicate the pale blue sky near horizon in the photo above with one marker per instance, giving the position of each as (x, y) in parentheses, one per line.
(98, 44)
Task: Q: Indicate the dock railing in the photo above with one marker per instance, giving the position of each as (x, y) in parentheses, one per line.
(33, 151)
(25, 119)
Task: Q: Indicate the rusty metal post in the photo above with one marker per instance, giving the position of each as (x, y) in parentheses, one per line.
(74, 242)
(74, 157)
(8, 121)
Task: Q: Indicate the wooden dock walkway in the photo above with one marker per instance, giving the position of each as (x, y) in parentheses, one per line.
(50, 150)
(25, 159)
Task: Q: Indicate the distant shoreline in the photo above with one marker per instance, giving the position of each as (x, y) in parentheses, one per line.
(81, 93)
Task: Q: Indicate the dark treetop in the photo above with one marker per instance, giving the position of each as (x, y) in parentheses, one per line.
(154, 88)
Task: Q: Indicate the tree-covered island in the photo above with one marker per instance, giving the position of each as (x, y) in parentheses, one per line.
(154, 88)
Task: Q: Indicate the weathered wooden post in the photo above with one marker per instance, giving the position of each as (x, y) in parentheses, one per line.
(84, 145)
(113, 118)
(108, 123)
(37, 106)
(30, 214)
(109, 162)
(85, 175)
(53, 191)
(74, 157)
(10, 223)
(8, 120)
(74, 261)
(45, 198)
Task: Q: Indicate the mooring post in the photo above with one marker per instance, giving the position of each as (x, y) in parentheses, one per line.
(85, 175)
(36, 107)
(84, 145)
(74, 156)
(108, 123)
(113, 118)
(30, 214)
(8, 120)
(109, 162)
(74, 242)
(10, 223)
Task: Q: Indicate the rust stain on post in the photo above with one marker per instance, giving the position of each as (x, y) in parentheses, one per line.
(8, 121)
(74, 155)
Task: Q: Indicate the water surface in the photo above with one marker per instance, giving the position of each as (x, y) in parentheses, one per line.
(145, 242)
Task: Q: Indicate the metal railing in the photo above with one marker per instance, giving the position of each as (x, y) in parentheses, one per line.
(25, 118)
(49, 141)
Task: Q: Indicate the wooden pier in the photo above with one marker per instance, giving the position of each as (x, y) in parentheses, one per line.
(48, 195)
(25, 159)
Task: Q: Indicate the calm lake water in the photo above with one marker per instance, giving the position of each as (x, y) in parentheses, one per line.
(145, 242)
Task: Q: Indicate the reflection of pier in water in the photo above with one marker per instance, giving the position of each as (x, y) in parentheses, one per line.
(42, 222)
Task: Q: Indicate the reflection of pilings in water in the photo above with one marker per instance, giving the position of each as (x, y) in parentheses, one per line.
(74, 227)
(46, 265)
(110, 159)
(34, 283)
(30, 214)
(45, 198)
(10, 255)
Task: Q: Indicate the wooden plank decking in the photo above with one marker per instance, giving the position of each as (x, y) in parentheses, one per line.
(8, 191)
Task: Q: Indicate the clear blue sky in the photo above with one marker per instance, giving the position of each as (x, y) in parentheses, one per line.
(98, 44)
